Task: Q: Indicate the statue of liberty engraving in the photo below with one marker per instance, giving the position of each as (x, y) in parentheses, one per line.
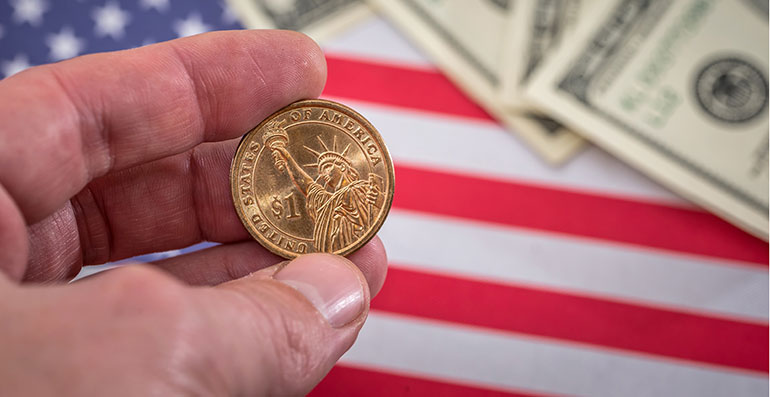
(338, 202)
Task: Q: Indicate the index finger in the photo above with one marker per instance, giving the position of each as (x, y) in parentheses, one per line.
(67, 123)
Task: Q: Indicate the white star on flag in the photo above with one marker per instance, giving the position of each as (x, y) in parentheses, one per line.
(64, 44)
(191, 25)
(158, 5)
(29, 11)
(111, 20)
(228, 16)
(16, 65)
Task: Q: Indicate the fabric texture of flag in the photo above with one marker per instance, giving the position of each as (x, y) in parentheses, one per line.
(507, 276)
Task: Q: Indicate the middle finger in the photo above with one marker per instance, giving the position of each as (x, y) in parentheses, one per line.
(166, 204)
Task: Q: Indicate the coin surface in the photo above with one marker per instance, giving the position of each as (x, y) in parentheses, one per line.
(315, 176)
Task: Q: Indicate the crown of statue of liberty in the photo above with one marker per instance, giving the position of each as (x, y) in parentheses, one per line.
(329, 155)
(276, 134)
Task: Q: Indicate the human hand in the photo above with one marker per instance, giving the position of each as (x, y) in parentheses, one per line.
(101, 158)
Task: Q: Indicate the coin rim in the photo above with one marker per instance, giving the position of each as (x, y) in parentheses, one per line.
(350, 113)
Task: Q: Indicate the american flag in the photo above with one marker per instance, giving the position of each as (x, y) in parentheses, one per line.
(507, 276)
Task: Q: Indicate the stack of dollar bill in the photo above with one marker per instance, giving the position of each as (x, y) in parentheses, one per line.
(677, 89)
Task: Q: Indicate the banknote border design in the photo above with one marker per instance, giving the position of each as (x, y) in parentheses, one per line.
(579, 79)
(552, 127)
(537, 51)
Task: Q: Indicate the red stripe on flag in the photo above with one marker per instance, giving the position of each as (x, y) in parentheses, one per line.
(413, 88)
(575, 318)
(580, 214)
(348, 381)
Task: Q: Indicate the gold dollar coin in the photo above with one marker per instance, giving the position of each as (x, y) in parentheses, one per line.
(313, 177)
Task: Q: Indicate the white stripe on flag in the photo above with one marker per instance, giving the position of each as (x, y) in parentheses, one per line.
(589, 267)
(493, 359)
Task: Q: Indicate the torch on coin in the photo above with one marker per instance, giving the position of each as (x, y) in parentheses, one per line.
(276, 138)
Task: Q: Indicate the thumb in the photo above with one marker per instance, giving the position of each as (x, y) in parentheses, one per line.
(280, 330)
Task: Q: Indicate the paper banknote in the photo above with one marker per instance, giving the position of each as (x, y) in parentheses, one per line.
(464, 38)
(677, 89)
(319, 19)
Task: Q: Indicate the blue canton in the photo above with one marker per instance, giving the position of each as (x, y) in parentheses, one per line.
(34, 32)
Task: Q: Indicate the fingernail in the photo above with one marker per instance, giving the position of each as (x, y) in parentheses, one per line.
(329, 282)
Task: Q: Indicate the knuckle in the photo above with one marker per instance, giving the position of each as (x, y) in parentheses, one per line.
(298, 351)
(141, 289)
